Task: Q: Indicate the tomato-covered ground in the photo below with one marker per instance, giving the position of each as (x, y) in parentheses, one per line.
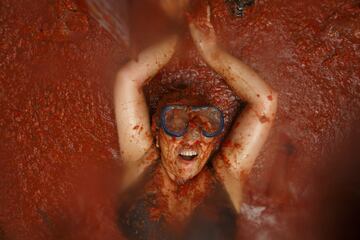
(58, 149)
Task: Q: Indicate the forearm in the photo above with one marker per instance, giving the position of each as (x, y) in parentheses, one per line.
(148, 63)
(244, 81)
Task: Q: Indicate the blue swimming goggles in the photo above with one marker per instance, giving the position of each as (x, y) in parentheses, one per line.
(175, 120)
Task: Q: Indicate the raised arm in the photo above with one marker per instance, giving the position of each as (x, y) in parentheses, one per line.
(252, 126)
(132, 115)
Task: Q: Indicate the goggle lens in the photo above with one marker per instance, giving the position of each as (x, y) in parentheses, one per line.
(209, 119)
(176, 119)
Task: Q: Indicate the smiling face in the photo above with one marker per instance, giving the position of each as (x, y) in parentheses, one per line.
(184, 157)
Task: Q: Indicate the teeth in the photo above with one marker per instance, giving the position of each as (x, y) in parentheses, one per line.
(188, 153)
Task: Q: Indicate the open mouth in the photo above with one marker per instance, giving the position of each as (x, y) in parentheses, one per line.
(188, 155)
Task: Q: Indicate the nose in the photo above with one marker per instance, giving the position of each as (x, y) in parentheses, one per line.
(193, 134)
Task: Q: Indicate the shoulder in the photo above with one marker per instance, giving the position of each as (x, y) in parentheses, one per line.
(136, 206)
(134, 171)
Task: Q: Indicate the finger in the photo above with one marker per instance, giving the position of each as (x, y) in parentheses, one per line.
(208, 14)
(195, 32)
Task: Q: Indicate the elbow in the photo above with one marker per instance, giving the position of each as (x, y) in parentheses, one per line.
(271, 106)
(266, 108)
(272, 101)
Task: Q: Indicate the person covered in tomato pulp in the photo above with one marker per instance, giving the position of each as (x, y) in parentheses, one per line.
(180, 181)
